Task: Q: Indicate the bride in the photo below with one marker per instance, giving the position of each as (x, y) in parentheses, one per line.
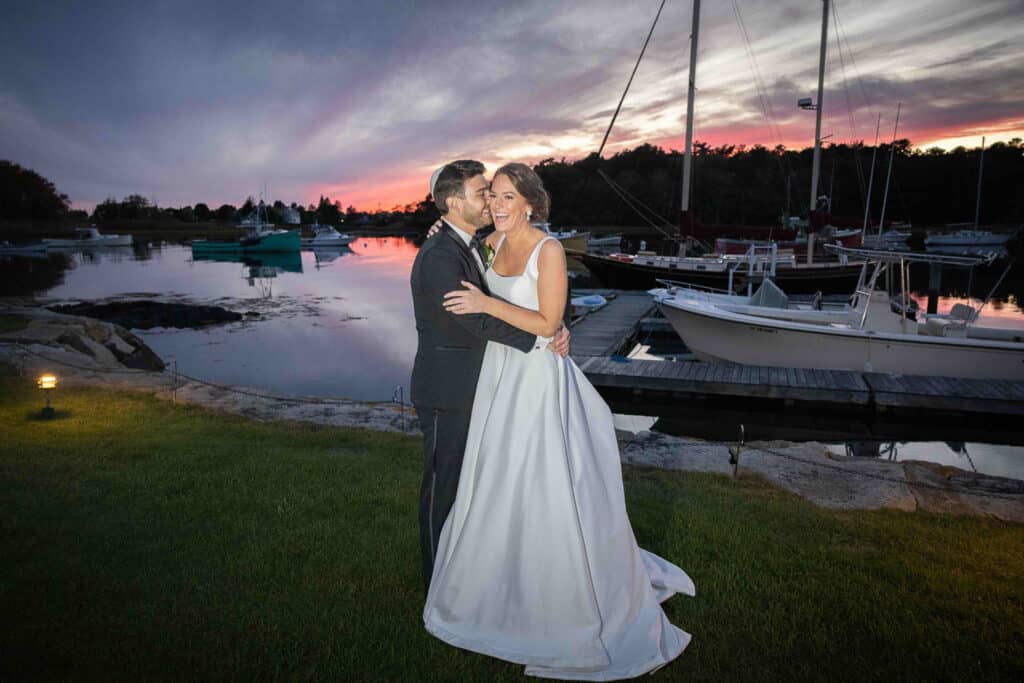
(537, 563)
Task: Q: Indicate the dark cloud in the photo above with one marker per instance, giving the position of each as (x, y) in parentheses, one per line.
(205, 101)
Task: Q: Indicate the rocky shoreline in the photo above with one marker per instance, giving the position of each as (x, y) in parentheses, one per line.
(86, 351)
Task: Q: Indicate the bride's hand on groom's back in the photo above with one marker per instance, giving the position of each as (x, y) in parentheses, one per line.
(435, 228)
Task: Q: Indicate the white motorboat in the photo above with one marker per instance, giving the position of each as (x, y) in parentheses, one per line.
(869, 335)
(25, 249)
(89, 237)
(326, 236)
(964, 238)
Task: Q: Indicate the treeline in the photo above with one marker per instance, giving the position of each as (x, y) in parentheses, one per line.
(137, 208)
(730, 185)
(756, 185)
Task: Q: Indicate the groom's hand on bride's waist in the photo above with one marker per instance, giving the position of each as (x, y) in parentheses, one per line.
(560, 342)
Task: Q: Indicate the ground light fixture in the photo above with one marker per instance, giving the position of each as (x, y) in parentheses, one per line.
(47, 383)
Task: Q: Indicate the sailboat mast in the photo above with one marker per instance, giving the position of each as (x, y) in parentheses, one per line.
(888, 175)
(688, 150)
(981, 169)
(871, 180)
(816, 166)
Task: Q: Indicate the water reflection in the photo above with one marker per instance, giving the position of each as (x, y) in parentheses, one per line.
(992, 459)
(331, 322)
(28, 274)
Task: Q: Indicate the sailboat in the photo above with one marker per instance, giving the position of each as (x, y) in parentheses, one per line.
(646, 270)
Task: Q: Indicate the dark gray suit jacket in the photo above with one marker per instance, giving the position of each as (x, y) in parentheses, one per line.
(451, 347)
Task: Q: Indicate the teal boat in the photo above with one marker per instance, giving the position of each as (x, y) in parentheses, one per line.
(262, 237)
(255, 241)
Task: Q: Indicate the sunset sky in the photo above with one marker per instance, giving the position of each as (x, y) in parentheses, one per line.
(186, 101)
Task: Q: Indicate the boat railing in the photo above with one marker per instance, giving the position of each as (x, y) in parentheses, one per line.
(676, 284)
(892, 256)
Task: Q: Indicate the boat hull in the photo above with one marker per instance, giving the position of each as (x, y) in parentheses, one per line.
(332, 243)
(277, 242)
(741, 339)
(104, 241)
(577, 242)
(830, 279)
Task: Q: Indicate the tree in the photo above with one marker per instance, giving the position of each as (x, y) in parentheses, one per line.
(24, 194)
(328, 212)
(225, 212)
(201, 211)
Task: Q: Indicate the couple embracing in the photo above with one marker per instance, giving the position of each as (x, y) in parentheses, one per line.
(528, 553)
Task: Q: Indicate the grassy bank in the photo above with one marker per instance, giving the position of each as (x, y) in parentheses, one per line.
(146, 541)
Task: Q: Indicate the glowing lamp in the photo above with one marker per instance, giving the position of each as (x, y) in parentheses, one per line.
(47, 383)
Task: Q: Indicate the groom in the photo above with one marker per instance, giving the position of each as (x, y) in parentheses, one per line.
(451, 347)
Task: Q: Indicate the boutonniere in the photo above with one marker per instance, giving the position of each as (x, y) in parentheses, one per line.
(488, 255)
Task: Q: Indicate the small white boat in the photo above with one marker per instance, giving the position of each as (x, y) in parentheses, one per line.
(14, 249)
(964, 238)
(869, 335)
(605, 241)
(326, 236)
(89, 237)
(587, 303)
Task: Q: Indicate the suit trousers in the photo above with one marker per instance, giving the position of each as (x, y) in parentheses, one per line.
(444, 443)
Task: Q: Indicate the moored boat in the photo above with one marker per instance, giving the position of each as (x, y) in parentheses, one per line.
(266, 241)
(326, 236)
(645, 270)
(89, 237)
(262, 236)
(15, 249)
(870, 335)
(964, 238)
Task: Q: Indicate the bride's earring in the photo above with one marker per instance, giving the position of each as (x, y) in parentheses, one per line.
(529, 214)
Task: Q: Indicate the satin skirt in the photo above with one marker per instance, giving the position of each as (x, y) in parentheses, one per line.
(537, 563)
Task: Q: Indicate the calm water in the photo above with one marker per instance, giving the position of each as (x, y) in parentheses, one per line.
(336, 323)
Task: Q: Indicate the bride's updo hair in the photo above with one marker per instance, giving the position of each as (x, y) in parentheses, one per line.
(528, 183)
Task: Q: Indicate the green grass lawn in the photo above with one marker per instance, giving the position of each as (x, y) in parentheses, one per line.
(140, 540)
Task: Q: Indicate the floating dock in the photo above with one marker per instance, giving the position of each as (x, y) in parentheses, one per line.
(601, 338)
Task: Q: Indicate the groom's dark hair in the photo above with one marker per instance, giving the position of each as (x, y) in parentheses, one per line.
(452, 180)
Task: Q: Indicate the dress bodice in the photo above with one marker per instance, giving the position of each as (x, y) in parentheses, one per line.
(521, 289)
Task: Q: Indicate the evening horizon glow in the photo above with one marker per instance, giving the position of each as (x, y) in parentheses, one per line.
(360, 102)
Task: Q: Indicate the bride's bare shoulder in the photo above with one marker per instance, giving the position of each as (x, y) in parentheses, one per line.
(552, 252)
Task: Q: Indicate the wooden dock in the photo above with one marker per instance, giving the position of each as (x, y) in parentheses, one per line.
(600, 339)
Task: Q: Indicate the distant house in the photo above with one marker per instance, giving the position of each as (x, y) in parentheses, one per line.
(290, 215)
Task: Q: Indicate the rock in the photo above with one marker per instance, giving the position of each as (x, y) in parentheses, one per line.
(950, 490)
(144, 315)
(83, 343)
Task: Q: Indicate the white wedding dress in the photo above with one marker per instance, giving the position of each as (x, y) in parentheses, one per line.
(537, 563)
